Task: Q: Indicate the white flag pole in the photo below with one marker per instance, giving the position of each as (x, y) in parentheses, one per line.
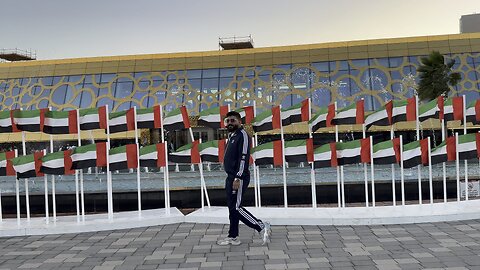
(54, 207)
(254, 144)
(394, 195)
(372, 172)
(312, 171)
(203, 186)
(109, 175)
(139, 192)
(258, 177)
(166, 184)
(365, 168)
(430, 180)
(17, 193)
(77, 200)
(419, 169)
(45, 183)
(402, 177)
(444, 167)
(339, 196)
(82, 193)
(457, 163)
(256, 168)
(342, 185)
(284, 169)
(465, 132)
(27, 199)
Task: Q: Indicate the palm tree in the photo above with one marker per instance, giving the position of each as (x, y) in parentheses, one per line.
(436, 76)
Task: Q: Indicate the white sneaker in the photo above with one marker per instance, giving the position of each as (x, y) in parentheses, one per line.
(266, 232)
(229, 241)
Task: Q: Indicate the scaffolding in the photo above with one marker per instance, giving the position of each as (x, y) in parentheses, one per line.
(13, 55)
(235, 43)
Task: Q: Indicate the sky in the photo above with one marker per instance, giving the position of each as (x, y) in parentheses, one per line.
(58, 29)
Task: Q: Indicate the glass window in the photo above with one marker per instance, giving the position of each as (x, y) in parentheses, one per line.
(57, 79)
(43, 104)
(123, 89)
(382, 62)
(194, 74)
(172, 77)
(91, 78)
(26, 98)
(321, 66)
(124, 106)
(75, 79)
(227, 72)
(360, 63)
(144, 83)
(47, 81)
(395, 61)
(338, 65)
(210, 73)
(16, 91)
(140, 74)
(105, 101)
(105, 78)
(59, 94)
(87, 99)
(321, 97)
(137, 97)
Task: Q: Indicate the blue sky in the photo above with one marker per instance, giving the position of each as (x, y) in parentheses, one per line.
(83, 28)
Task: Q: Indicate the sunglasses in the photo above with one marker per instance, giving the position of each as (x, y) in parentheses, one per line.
(230, 120)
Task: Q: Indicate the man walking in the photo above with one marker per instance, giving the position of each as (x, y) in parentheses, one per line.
(236, 161)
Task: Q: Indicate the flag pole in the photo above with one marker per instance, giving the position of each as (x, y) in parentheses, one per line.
(203, 188)
(45, 183)
(27, 199)
(77, 200)
(139, 192)
(256, 169)
(166, 184)
(430, 181)
(402, 176)
(419, 169)
(284, 169)
(457, 163)
(258, 176)
(53, 185)
(339, 198)
(365, 168)
(342, 183)
(17, 193)
(254, 144)
(109, 175)
(444, 167)
(394, 195)
(312, 171)
(372, 171)
(465, 132)
(82, 193)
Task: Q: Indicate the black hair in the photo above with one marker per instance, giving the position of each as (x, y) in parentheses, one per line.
(234, 114)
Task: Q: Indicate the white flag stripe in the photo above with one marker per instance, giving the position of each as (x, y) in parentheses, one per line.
(25, 167)
(6, 122)
(120, 157)
(347, 114)
(263, 121)
(376, 116)
(151, 155)
(173, 119)
(213, 151)
(384, 153)
(3, 163)
(323, 156)
(439, 151)
(432, 111)
(121, 120)
(411, 153)
(265, 153)
(28, 121)
(470, 111)
(299, 150)
(54, 163)
(56, 122)
(320, 118)
(145, 117)
(468, 146)
(289, 113)
(210, 118)
(399, 110)
(345, 153)
(89, 118)
(448, 109)
(187, 152)
(84, 156)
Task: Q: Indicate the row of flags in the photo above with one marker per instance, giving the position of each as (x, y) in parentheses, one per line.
(328, 155)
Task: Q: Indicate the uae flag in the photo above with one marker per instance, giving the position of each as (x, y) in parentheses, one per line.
(322, 118)
(123, 157)
(444, 152)
(268, 154)
(267, 120)
(212, 151)
(94, 118)
(382, 117)
(467, 146)
(150, 118)
(247, 113)
(387, 152)
(296, 114)
(415, 153)
(92, 155)
(29, 120)
(326, 156)
(60, 122)
(472, 113)
(28, 166)
(188, 154)
(122, 121)
(213, 117)
(350, 115)
(299, 151)
(453, 109)
(429, 110)
(6, 166)
(153, 156)
(353, 152)
(404, 110)
(176, 119)
(57, 163)
(6, 122)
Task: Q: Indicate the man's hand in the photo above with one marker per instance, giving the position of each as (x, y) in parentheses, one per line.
(236, 184)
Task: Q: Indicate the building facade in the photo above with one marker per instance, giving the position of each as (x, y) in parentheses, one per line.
(375, 70)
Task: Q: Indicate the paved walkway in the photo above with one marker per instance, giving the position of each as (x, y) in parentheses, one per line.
(447, 245)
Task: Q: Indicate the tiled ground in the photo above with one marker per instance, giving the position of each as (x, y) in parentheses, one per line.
(447, 245)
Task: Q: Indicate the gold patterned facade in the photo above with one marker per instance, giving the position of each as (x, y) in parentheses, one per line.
(376, 70)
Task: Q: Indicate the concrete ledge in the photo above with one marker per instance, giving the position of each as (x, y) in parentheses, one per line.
(91, 223)
(438, 212)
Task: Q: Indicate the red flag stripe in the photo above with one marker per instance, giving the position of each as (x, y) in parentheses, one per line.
(67, 161)
(161, 161)
(424, 150)
(277, 153)
(157, 117)
(389, 108)
(195, 153)
(10, 170)
(223, 114)
(186, 120)
(132, 160)
(249, 114)
(457, 103)
(452, 148)
(330, 114)
(42, 118)
(396, 148)
(130, 117)
(365, 150)
(276, 118)
(37, 156)
(14, 126)
(477, 110)
(310, 155)
(411, 109)
(72, 122)
(102, 116)
(101, 154)
(360, 117)
(305, 110)
(440, 105)
(333, 150)
(221, 150)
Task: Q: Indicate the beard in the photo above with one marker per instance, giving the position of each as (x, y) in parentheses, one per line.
(231, 128)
